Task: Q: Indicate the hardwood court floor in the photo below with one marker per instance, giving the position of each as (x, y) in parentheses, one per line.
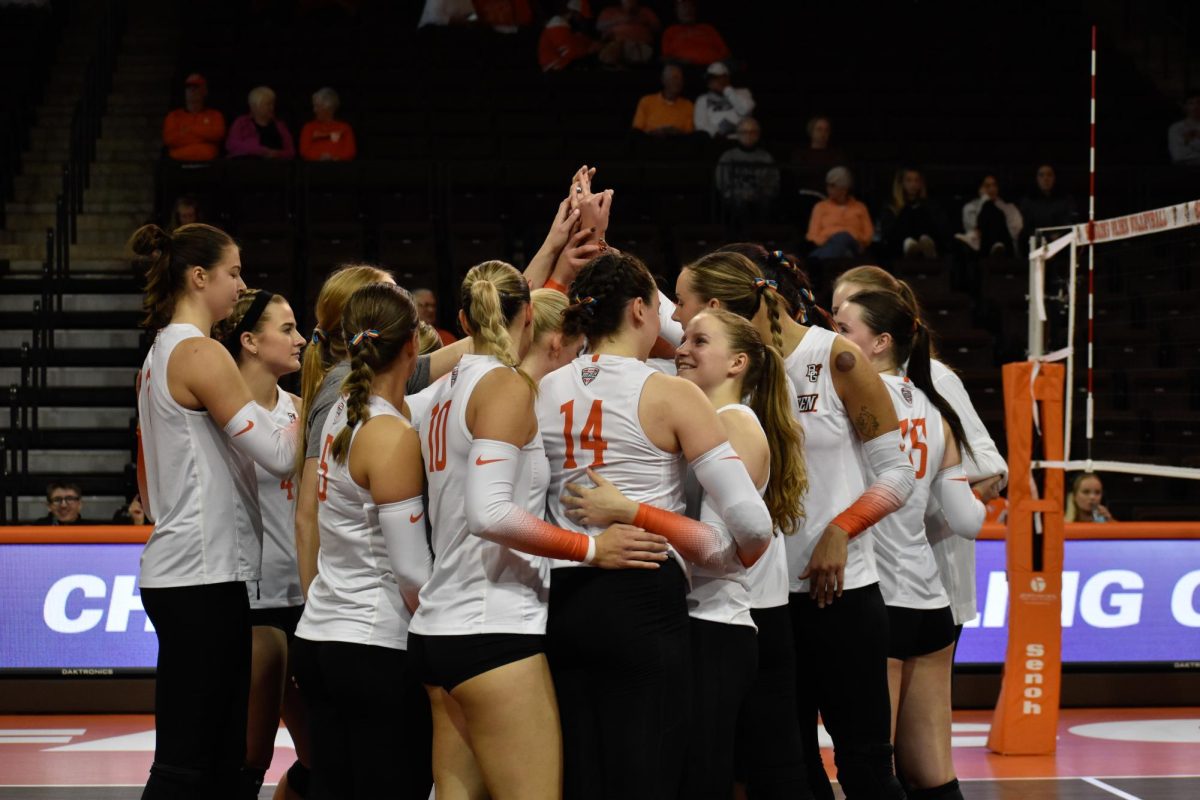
(1134, 754)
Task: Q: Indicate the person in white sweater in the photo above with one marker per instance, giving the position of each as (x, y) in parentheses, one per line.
(719, 110)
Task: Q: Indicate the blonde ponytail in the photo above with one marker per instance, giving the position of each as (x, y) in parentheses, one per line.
(493, 293)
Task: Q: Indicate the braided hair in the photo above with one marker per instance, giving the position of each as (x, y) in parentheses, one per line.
(378, 321)
(791, 282)
(493, 293)
(739, 285)
(600, 293)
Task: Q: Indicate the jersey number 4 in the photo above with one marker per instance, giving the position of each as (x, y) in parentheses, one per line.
(590, 438)
(323, 469)
(915, 431)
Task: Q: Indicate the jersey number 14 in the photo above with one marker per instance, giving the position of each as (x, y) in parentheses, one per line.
(590, 438)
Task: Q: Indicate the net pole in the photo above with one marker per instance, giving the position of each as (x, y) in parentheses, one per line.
(1091, 254)
(1068, 415)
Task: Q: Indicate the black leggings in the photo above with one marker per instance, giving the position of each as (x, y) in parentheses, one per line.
(724, 663)
(201, 691)
(770, 755)
(617, 641)
(370, 722)
(841, 671)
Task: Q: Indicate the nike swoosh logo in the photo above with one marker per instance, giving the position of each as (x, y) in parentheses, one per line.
(249, 426)
(732, 458)
(414, 518)
(480, 461)
(964, 480)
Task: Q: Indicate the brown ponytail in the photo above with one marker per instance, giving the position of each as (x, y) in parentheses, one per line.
(765, 382)
(166, 258)
(739, 285)
(379, 319)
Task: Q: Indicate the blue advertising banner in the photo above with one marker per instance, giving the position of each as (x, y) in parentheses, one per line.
(75, 608)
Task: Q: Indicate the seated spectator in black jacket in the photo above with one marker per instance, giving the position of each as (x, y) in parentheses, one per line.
(64, 501)
(813, 161)
(1048, 206)
(911, 225)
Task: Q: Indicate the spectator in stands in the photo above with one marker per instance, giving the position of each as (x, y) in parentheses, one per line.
(691, 42)
(840, 225)
(628, 31)
(1183, 137)
(426, 302)
(911, 225)
(194, 132)
(324, 138)
(1083, 504)
(185, 212)
(64, 501)
(991, 224)
(666, 113)
(131, 513)
(258, 134)
(747, 177)
(812, 163)
(722, 107)
(562, 42)
(1048, 206)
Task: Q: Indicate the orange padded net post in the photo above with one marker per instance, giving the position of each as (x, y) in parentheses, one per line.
(1026, 718)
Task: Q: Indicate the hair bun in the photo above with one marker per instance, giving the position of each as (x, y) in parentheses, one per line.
(149, 242)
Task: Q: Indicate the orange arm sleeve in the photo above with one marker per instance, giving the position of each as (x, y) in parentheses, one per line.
(695, 541)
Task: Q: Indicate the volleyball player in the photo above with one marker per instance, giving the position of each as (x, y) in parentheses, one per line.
(326, 364)
(725, 357)
(478, 635)
(618, 640)
(835, 602)
(193, 405)
(921, 635)
(261, 336)
(982, 463)
(370, 724)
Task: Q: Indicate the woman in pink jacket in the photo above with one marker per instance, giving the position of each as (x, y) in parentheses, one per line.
(259, 134)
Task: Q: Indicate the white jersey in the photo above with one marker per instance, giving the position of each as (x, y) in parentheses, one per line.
(588, 415)
(833, 453)
(477, 586)
(721, 595)
(200, 493)
(419, 403)
(908, 574)
(279, 586)
(354, 597)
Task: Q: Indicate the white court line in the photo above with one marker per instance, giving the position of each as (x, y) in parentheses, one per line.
(42, 731)
(34, 739)
(1099, 784)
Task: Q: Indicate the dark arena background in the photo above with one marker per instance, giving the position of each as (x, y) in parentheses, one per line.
(450, 137)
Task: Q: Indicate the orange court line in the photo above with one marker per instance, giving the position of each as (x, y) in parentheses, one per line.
(992, 531)
(1110, 530)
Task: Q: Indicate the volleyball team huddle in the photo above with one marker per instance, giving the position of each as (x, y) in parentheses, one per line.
(606, 546)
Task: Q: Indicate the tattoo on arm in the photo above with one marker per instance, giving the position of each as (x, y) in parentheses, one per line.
(866, 423)
(844, 361)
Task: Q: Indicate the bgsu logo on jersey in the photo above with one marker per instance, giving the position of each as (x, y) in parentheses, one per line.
(906, 393)
(454, 375)
(814, 372)
(808, 402)
(589, 374)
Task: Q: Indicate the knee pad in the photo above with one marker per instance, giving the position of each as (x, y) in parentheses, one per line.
(298, 778)
(947, 791)
(865, 771)
(249, 781)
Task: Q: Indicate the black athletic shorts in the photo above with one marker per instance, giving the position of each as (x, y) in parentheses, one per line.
(916, 632)
(285, 618)
(447, 661)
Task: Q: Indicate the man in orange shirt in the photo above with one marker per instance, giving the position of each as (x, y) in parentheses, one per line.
(325, 138)
(666, 113)
(194, 133)
(692, 42)
(840, 225)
